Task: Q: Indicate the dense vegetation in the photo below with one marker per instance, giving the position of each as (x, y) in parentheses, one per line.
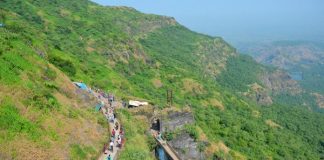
(241, 70)
(313, 78)
(243, 129)
(44, 44)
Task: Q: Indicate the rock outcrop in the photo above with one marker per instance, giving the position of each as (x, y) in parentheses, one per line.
(176, 120)
(259, 94)
(185, 146)
(279, 81)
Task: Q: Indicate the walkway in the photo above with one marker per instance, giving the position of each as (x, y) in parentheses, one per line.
(110, 113)
(167, 148)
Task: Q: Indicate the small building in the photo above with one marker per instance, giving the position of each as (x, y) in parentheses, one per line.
(132, 104)
(2, 25)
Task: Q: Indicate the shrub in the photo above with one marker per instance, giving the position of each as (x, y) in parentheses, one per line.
(65, 65)
(151, 142)
(43, 101)
(50, 85)
(168, 135)
(77, 152)
(52, 102)
(102, 121)
(72, 113)
(202, 146)
(192, 131)
(50, 74)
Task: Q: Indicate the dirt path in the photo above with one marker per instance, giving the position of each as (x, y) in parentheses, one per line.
(107, 114)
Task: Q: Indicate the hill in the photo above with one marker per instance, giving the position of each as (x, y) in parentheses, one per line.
(303, 60)
(47, 44)
(42, 114)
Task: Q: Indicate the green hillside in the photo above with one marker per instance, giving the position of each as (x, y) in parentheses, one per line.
(45, 45)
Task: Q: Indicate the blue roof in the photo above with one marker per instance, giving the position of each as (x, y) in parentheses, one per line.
(1, 24)
(82, 86)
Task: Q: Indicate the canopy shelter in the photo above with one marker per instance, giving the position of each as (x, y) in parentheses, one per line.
(132, 103)
(81, 85)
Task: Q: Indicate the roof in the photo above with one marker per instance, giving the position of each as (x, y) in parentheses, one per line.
(81, 85)
(137, 103)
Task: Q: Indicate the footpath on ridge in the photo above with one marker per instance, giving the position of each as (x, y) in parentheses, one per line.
(108, 111)
(107, 106)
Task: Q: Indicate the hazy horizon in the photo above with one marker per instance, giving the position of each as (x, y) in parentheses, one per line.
(238, 21)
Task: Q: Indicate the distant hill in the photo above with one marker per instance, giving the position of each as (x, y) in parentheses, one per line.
(241, 109)
(303, 60)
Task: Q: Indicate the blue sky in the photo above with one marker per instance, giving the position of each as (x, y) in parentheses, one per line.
(240, 20)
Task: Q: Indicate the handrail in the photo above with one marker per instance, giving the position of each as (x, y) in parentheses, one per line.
(171, 149)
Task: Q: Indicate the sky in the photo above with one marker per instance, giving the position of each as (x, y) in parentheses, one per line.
(240, 20)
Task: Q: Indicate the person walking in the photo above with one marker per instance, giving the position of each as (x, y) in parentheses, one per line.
(112, 138)
(105, 149)
(119, 141)
(115, 116)
(116, 126)
(111, 145)
(112, 118)
(159, 136)
(121, 130)
(113, 132)
(109, 157)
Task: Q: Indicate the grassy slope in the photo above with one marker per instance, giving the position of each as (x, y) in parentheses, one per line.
(40, 113)
(124, 51)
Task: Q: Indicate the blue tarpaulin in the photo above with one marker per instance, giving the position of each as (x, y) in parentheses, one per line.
(1, 25)
(81, 85)
(98, 106)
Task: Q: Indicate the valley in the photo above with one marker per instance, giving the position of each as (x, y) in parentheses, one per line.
(303, 60)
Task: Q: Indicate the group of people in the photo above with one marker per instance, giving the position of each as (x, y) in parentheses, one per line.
(110, 115)
(102, 94)
(114, 135)
(117, 133)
